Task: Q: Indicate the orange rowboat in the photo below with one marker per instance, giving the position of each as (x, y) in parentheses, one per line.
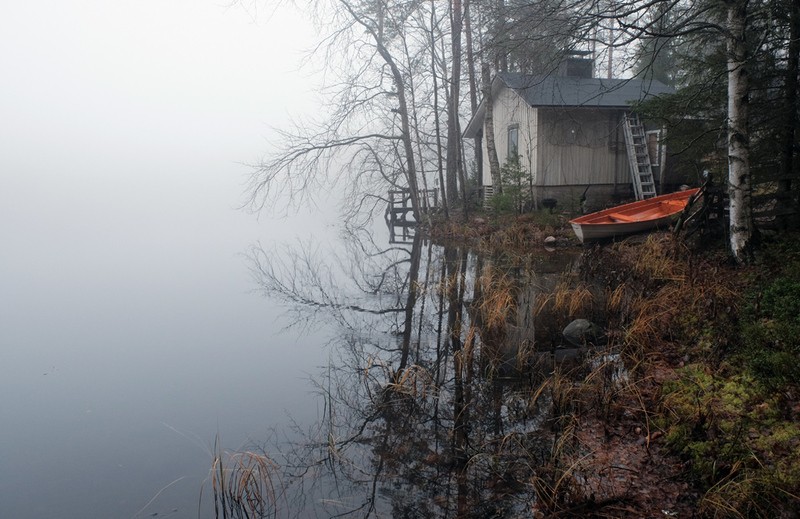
(643, 215)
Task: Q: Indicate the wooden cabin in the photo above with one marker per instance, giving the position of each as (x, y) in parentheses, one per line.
(567, 131)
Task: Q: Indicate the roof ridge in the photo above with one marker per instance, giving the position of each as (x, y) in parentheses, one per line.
(551, 90)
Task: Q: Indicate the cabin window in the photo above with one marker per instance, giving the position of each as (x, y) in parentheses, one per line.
(513, 141)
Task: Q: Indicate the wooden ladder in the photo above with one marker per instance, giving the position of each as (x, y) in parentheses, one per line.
(644, 185)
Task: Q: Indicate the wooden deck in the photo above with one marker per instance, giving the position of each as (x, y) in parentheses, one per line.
(400, 216)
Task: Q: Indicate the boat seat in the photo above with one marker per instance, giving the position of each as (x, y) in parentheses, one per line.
(622, 217)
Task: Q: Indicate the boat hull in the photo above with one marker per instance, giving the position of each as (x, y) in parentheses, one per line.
(644, 215)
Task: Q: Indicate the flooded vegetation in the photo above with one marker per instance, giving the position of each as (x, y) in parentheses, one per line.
(560, 382)
(441, 394)
(450, 390)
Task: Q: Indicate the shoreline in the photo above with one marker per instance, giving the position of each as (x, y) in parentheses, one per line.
(674, 308)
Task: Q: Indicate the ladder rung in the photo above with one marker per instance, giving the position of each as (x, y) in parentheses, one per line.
(639, 157)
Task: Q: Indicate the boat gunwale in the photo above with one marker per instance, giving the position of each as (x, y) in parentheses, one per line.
(597, 218)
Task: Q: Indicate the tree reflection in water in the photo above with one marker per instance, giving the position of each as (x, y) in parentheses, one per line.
(435, 400)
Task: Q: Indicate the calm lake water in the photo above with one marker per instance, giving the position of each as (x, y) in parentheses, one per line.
(134, 335)
(130, 338)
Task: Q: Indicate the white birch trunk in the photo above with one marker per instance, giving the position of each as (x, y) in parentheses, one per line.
(739, 187)
(488, 130)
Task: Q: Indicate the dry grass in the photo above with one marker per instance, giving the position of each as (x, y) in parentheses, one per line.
(415, 382)
(572, 301)
(554, 483)
(245, 485)
(615, 298)
(654, 291)
(565, 301)
(514, 235)
(653, 300)
(498, 300)
(658, 259)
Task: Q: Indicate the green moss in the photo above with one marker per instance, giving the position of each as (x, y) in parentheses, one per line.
(770, 332)
(731, 430)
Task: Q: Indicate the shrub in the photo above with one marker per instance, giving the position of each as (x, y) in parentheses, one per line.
(516, 192)
(771, 333)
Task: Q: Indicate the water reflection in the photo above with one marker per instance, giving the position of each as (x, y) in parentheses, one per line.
(437, 395)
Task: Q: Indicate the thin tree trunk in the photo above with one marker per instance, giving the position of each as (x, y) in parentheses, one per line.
(437, 120)
(488, 129)
(473, 85)
(424, 202)
(462, 174)
(453, 138)
(790, 128)
(610, 72)
(402, 108)
(500, 44)
(739, 186)
(411, 302)
(405, 127)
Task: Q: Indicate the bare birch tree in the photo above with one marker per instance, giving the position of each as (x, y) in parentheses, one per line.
(488, 129)
(739, 186)
(453, 102)
(368, 131)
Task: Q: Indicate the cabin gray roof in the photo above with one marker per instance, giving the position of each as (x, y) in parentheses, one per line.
(569, 92)
(589, 92)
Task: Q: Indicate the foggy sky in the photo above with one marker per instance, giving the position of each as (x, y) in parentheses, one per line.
(123, 293)
(124, 126)
(100, 96)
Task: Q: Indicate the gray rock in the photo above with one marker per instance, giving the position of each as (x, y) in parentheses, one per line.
(582, 332)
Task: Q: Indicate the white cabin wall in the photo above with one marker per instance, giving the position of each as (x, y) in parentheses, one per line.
(511, 109)
(581, 147)
(562, 168)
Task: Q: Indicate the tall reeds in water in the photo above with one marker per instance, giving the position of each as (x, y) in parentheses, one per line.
(246, 485)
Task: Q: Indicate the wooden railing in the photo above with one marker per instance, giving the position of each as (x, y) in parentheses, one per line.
(400, 215)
